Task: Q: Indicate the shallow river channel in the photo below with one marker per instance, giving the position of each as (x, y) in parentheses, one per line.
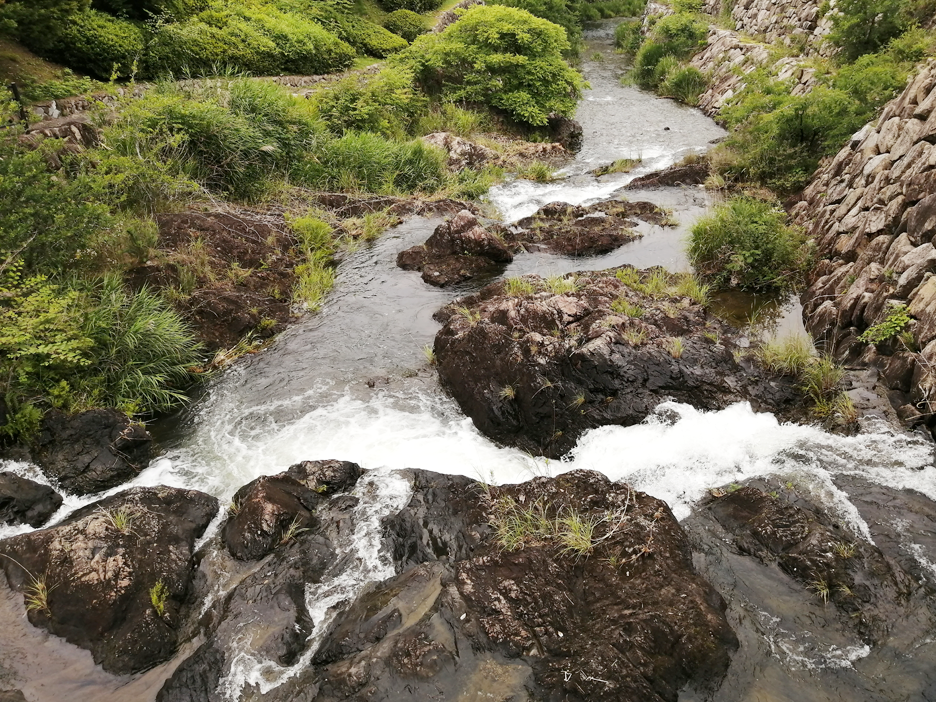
(352, 383)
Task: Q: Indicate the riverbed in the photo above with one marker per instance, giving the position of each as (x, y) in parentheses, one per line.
(353, 382)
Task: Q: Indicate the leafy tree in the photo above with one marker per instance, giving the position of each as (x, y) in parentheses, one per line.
(863, 26)
(501, 57)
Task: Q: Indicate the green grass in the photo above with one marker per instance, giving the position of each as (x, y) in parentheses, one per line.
(790, 355)
(519, 287)
(625, 307)
(159, 594)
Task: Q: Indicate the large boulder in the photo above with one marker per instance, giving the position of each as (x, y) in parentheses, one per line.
(458, 250)
(113, 576)
(25, 501)
(566, 131)
(91, 451)
(623, 616)
(536, 365)
(272, 510)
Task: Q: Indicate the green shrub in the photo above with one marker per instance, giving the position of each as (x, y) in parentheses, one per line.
(37, 23)
(418, 6)
(683, 83)
(144, 9)
(370, 38)
(864, 26)
(197, 47)
(371, 163)
(560, 12)
(96, 43)
(677, 36)
(261, 42)
(605, 9)
(405, 23)
(746, 243)
(896, 321)
(50, 222)
(386, 103)
(502, 57)
(143, 354)
(627, 36)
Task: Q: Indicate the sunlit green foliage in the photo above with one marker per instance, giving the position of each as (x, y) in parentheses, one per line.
(501, 57)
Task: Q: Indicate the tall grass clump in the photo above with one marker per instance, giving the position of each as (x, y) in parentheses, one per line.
(789, 355)
(365, 162)
(672, 39)
(143, 355)
(746, 243)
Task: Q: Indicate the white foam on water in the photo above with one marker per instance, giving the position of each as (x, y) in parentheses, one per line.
(361, 561)
(802, 651)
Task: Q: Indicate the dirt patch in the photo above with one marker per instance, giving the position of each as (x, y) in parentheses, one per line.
(229, 274)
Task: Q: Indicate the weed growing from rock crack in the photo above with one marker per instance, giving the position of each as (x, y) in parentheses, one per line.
(789, 355)
(120, 519)
(518, 287)
(635, 337)
(693, 288)
(843, 549)
(622, 306)
(676, 347)
(559, 285)
(821, 588)
(472, 316)
(430, 354)
(293, 530)
(159, 593)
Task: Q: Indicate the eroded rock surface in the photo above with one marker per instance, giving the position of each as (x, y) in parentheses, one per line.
(462, 153)
(113, 576)
(91, 451)
(25, 501)
(573, 230)
(458, 250)
(537, 368)
(626, 619)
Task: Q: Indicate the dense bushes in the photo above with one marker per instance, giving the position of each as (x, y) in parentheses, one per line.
(418, 6)
(676, 37)
(865, 26)
(405, 23)
(560, 12)
(746, 243)
(501, 57)
(98, 44)
(261, 42)
(778, 139)
(387, 103)
(144, 9)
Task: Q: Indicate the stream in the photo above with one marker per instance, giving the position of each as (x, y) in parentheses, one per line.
(353, 383)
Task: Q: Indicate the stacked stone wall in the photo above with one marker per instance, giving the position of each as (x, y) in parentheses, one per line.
(872, 212)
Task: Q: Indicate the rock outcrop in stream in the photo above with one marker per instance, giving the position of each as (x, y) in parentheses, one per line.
(112, 577)
(872, 212)
(619, 616)
(536, 363)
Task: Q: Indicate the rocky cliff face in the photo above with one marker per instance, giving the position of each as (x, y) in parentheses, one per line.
(872, 213)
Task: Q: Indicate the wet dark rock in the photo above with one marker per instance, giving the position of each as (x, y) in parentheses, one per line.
(25, 501)
(631, 621)
(850, 573)
(685, 174)
(326, 477)
(265, 513)
(91, 451)
(458, 250)
(566, 131)
(536, 370)
(267, 608)
(99, 569)
(573, 230)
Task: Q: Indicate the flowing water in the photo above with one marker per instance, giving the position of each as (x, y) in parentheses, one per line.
(352, 383)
